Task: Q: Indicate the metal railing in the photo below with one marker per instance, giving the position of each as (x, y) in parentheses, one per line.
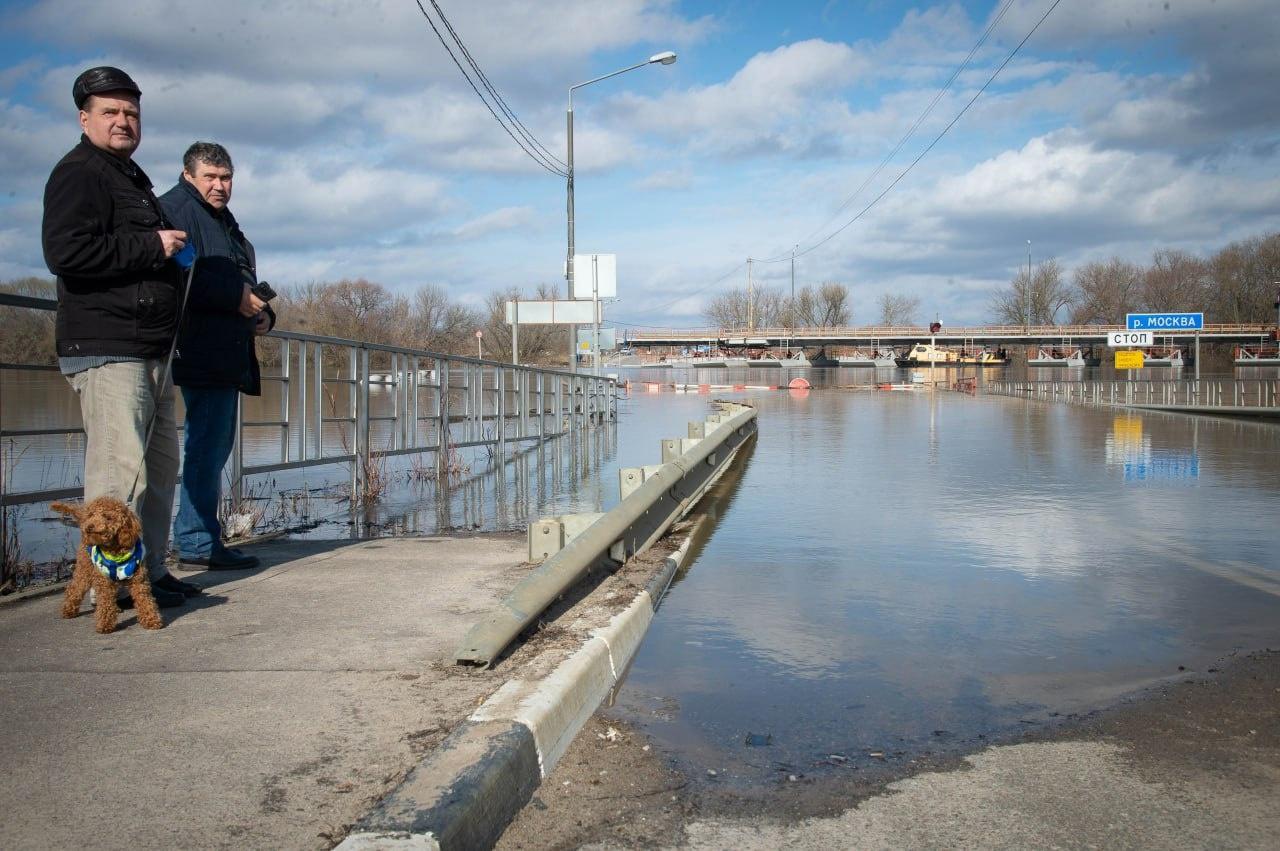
(1245, 394)
(436, 403)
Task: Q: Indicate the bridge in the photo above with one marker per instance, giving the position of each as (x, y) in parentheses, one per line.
(896, 335)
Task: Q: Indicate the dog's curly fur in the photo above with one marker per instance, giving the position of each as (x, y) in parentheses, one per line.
(108, 523)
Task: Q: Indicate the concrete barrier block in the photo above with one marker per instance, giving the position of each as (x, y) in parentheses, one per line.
(575, 524)
(629, 480)
(670, 449)
(697, 429)
(546, 538)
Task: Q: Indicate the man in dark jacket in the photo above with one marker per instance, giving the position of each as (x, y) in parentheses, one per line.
(111, 249)
(215, 360)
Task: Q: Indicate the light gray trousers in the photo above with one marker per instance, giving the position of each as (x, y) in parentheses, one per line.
(116, 404)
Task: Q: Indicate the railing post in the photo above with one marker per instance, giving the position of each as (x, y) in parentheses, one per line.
(285, 352)
(500, 380)
(442, 409)
(237, 456)
(359, 466)
(302, 400)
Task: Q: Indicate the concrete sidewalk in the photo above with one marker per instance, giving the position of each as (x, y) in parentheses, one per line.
(274, 712)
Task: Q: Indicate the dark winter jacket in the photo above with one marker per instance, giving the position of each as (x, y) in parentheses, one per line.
(117, 294)
(215, 343)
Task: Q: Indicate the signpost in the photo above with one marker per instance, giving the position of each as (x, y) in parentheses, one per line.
(479, 353)
(1167, 322)
(1116, 339)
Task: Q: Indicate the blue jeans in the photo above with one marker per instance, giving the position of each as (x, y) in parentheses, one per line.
(210, 433)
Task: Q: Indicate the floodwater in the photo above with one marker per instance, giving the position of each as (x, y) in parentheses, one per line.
(899, 572)
(886, 573)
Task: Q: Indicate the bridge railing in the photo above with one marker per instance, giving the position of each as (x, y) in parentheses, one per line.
(337, 395)
(1222, 393)
(640, 335)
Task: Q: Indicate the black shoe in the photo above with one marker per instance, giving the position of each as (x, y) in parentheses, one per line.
(164, 599)
(226, 560)
(174, 585)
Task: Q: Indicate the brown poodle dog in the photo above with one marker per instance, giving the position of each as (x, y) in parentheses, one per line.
(111, 553)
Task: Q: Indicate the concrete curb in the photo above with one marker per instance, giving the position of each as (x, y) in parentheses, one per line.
(466, 792)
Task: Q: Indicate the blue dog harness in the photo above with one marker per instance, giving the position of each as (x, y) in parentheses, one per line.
(117, 566)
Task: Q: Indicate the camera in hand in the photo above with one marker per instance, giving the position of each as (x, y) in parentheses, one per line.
(263, 291)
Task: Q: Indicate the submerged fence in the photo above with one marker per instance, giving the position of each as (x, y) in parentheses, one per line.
(1211, 395)
(428, 403)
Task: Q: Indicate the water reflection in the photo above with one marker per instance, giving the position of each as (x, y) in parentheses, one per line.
(900, 570)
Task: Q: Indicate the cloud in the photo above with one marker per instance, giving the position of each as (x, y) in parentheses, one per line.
(666, 180)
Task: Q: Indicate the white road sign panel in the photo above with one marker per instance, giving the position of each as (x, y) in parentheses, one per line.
(1117, 339)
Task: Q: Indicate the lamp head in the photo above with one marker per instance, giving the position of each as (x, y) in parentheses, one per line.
(666, 57)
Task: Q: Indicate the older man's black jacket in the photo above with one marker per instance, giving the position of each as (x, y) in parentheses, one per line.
(117, 294)
(215, 343)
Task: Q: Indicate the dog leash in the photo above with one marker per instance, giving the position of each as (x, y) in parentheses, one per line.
(168, 364)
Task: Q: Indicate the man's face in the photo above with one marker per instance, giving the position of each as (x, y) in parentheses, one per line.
(213, 182)
(113, 122)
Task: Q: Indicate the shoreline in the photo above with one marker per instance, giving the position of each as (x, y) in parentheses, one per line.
(1217, 728)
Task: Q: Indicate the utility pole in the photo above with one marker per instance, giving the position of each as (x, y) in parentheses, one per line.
(1027, 295)
(793, 275)
(751, 300)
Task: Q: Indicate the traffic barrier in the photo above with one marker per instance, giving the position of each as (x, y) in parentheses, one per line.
(652, 499)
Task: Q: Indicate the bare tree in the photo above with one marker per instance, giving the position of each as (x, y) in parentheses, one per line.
(538, 343)
(1244, 276)
(898, 309)
(733, 310)
(1175, 280)
(26, 335)
(438, 324)
(1035, 300)
(1105, 292)
(825, 307)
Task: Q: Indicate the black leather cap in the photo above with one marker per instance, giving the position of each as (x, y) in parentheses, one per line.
(104, 78)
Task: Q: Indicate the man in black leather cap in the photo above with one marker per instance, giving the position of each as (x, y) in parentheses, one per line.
(106, 240)
(215, 361)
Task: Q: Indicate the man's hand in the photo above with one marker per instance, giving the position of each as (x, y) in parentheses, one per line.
(250, 304)
(263, 325)
(172, 240)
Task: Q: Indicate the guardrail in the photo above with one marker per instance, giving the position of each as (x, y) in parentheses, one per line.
(1249, 332)
(652, 499)
(439, 403)
(1211, 395)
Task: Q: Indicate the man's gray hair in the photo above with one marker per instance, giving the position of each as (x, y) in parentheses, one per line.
(209, 153)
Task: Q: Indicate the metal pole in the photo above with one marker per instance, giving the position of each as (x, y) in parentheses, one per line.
(751, 299)
(793, 276)
(595, 311)
(515, 334)
(568, 263)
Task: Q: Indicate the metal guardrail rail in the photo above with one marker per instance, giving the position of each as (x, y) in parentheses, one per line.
(652, 499)
(1211, 395)
(901, 334)
(439, 403)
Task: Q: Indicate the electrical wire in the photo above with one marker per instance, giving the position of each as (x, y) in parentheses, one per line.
(502, 104)
(533, 154)
(995, 21)
(936, 139)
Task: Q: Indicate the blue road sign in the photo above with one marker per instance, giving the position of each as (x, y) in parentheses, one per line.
(1164, 321)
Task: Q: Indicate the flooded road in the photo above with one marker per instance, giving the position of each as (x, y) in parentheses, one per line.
(888, 572)
(902, 572)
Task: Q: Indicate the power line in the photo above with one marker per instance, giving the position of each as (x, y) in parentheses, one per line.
(910, 131)
(534, 154)
(937, 138)
(502, 104)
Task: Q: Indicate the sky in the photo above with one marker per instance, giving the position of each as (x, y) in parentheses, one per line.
(1120, 127)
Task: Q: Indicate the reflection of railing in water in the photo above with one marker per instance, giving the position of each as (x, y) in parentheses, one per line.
(1243, 393)
(440, 403)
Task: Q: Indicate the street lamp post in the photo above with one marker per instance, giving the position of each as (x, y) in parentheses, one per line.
(664, 58)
